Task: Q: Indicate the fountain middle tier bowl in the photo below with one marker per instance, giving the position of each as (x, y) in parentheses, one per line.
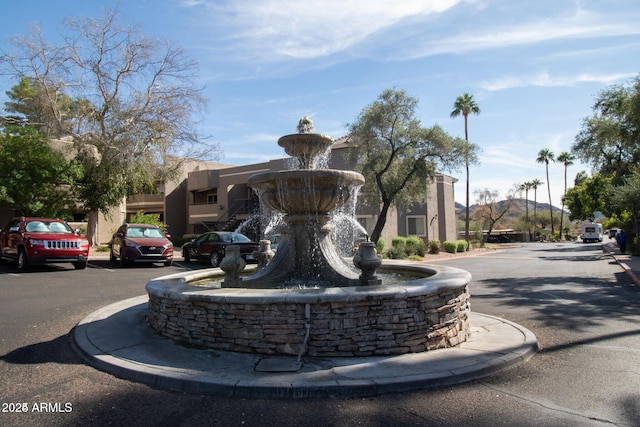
(305, 145)
(317, 191)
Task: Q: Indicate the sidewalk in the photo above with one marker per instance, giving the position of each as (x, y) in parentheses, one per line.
(630, 264)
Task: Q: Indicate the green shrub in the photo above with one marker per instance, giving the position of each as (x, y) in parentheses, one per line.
(416, 258)
(380, 244)
(415, 246)
(463, 245)
(396, 253)
(434, 246)
(407, 247)
(398, 246)
(399, 241)
(450, 246)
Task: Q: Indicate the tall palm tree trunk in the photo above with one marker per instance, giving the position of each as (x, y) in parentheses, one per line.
(550, 205)
(466, 164)
(563, 196)
(526, 210)
(535, 212)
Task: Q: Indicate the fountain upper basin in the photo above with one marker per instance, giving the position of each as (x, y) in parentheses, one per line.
(305, 191)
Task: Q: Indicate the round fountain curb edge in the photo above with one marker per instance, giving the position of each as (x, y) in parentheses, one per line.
(117, 339)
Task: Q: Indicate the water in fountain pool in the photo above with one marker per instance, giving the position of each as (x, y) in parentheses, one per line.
(387, 280)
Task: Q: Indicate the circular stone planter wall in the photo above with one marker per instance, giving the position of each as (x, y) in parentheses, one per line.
(417, 315)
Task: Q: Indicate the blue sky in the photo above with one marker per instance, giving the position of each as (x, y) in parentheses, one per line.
(534, 67)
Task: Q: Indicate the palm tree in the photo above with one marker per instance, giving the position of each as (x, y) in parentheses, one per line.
(567, 160)
(535, 184)
(545, 156)
(526, 186)
(465, 104)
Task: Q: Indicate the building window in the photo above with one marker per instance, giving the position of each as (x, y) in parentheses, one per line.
(416, 225)
(209, 197)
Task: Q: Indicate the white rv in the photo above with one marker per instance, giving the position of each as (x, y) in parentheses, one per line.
(592, 232)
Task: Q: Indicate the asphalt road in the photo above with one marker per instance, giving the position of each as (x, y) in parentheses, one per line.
(579, 303)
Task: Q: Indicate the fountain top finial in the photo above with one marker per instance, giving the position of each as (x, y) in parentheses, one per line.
(305, 125)
(305, 145)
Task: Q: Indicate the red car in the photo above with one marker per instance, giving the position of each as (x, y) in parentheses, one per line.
(211, 247)
(141, 243)
(31, 241)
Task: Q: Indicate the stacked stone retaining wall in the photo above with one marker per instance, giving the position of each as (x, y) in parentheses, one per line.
(366, 323)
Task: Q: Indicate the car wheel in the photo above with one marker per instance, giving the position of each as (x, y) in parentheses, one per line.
(23, 261)
(168, 263)
(186, 255)
(123, 261)
(215, 259)
(80, 265)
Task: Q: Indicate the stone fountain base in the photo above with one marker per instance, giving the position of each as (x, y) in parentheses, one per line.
(427, 313)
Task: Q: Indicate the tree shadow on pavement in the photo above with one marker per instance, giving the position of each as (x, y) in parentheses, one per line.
(57, 350)
(573, 303)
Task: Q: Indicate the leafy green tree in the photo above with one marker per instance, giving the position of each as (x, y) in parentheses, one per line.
(128, 102)
(34, 179)
(397, 155)
(567, 160)
(31, 100)
(587, 196)
(148, 218)
(545, 156)
(610, 139)
(465, 105)
(625, 198)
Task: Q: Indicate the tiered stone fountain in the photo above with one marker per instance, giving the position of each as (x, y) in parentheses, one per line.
(307, 255)
(308, 299)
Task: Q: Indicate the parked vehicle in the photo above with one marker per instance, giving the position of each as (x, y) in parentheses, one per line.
(141, 243)
(30, 241)
(613, 232)
(498, 238)
(211, 247)
(592, 232)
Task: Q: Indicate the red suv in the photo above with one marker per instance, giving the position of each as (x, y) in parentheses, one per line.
(32, 241)
(141, 243)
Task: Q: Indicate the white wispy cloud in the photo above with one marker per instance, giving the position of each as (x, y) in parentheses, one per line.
(278, 29)
(544, 79)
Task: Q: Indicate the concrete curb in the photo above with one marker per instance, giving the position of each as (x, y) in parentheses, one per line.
(117, 340)
(622, 264)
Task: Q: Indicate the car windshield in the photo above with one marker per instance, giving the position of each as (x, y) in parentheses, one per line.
(137, 232)
(40, 226)
(235, 238)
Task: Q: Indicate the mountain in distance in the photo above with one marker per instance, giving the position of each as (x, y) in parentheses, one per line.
(517, 210)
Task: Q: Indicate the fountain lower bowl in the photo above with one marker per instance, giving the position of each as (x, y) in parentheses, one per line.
(417, 315)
